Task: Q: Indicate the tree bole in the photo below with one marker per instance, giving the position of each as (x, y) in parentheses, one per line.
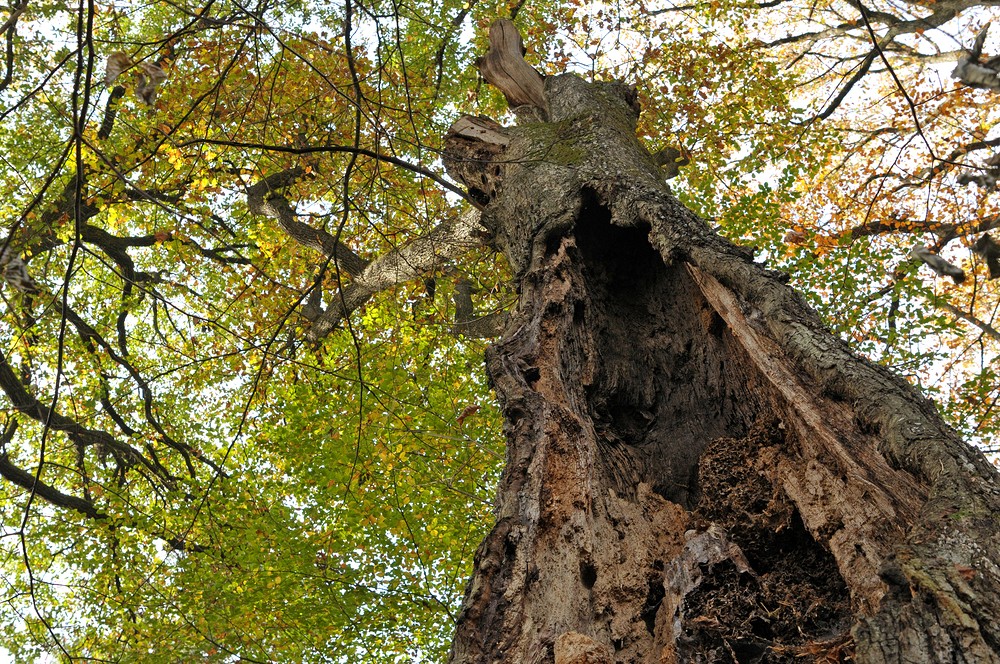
(697, 470)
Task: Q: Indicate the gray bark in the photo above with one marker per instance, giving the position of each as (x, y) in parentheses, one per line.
(697, 470)
(974, 72)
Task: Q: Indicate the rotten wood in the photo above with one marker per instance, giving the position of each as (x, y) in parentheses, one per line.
(657, 385)
(473, 155)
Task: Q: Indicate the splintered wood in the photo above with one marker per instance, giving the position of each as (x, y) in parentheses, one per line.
(504, 67)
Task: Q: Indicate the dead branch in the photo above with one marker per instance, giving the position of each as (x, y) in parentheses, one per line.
(505, 68)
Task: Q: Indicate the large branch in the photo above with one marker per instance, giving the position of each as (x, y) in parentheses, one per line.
(46, 492)
(895, 25)
(949, 162)
(9, 30)
(986, 328)
(467, 323)
(846, 89)
(90, 336)
(54, 496)
(332, 149)
(450, 239)
(14, 271)
(263, 200)
(24, 402)
(969, 69)
(901, 224)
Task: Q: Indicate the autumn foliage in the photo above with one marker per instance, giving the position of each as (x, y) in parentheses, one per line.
(243, 415)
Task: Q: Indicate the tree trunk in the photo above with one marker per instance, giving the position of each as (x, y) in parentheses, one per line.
(697, 470)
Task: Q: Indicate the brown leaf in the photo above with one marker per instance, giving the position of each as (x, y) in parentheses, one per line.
(117, 63)
(468, 412)
(149, 80)
(794, 237)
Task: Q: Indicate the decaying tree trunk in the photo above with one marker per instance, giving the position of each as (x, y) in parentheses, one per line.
(697, 471)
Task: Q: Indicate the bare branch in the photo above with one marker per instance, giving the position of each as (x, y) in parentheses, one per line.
(46, 492)
(9, 29)
(898, 224)
(845, 90)
(987, 329)
(27, 404)
(348, 149)
(53, 496)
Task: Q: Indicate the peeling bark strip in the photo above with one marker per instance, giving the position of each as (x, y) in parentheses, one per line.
(696, 469)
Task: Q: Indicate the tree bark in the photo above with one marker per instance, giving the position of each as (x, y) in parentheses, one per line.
(697, 470)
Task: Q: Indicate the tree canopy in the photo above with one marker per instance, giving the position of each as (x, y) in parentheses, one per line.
(244, 308)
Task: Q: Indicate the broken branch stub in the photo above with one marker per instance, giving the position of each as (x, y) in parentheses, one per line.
(474, 147)
(505, 68)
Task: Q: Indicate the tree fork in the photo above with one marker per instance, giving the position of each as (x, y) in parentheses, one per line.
(697, 470)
